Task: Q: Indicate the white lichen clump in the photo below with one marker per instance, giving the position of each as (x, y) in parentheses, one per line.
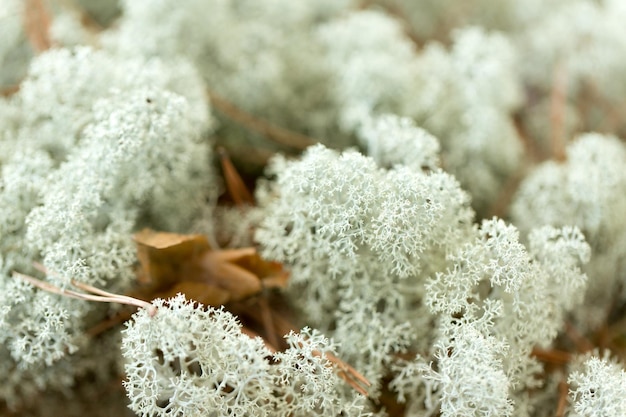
(192, 361)
(598, 388)
(98, 147)
(360, 240)
(426, 118)
(587, 190)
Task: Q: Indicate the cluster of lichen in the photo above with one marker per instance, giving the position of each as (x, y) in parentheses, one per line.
(432, 117)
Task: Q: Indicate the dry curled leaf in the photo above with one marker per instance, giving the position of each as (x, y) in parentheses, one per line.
(172, 263)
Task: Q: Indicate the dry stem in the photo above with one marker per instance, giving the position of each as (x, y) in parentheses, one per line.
(236, 187)
(560, 409)
(557, 112)
(37, 25)
(275, 133)
(93, 293)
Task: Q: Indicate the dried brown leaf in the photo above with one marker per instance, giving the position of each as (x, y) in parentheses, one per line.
(171, 263)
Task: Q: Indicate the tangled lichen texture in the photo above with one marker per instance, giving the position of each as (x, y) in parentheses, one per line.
(455, 231)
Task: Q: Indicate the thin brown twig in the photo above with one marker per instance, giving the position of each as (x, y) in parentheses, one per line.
(97, 294)
(353, 377)
(553, 356)
(37, 22)
(124, 299)
(235, 185)
(264, 128)
(557, 112)
(563, 390)
(581, 342)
